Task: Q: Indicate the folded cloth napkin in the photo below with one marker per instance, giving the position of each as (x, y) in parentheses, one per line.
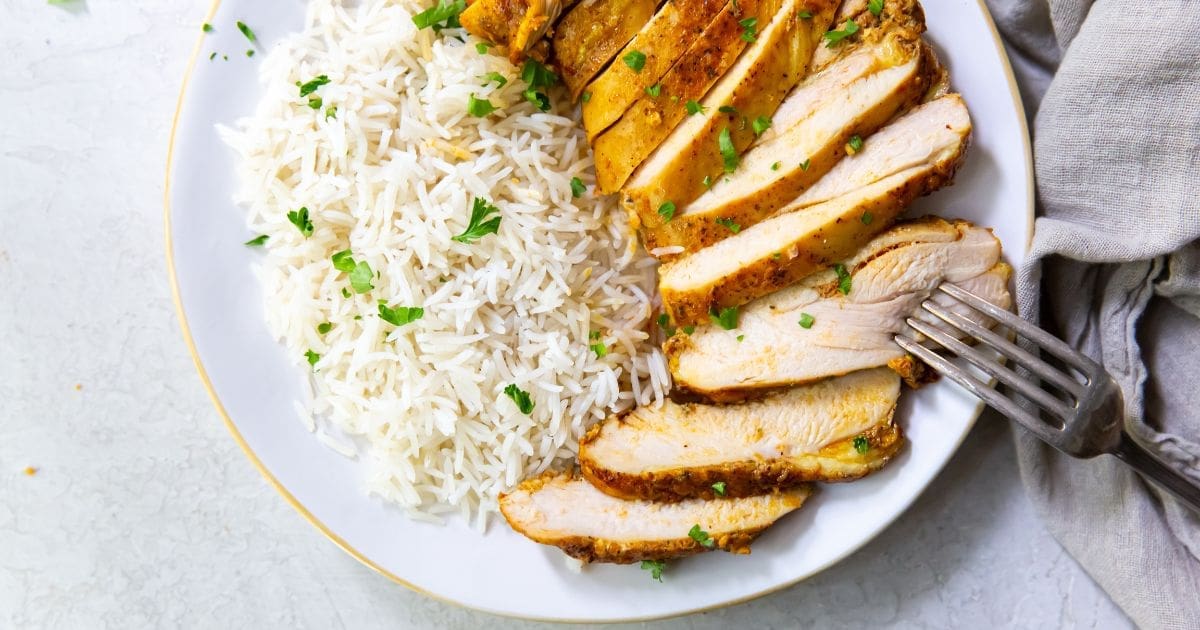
(1113, 88)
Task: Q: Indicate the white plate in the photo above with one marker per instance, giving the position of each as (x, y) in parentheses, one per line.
(253, 383)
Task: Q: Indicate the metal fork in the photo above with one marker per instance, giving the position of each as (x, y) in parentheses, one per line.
(1079, 414)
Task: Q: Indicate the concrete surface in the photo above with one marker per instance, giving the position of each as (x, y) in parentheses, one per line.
(142, 512)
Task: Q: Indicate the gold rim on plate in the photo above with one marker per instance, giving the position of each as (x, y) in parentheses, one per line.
(361, 557)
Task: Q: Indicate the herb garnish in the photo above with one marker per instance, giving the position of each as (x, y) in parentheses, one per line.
(653, 91)
(805, 164)
(761, 124)
(257, 241)
(586, 97)
(400, 315)
(537, 76)
(361, 276)
(311, 86)
(598, 347)
(875, 7)
(479, 107)
(343, 261)
(727, 318)
(729, 224)
(844, 281)
(694, 108)
(775, 166)
(854, 145)
(207, 28)
(728, 154)
(442, 15)
(324, 327)
(861, 444)
(701, 536)
(719, 488)
(688, 330)
(520, 397)
(636, 60)
(312, 357)
(667, 211)
(749, 29)
(728, 109)
(331, 112)
(482, 47)
(707, 181)
(247, 32)
(867, 217)
(804, 15)
(664, 322)
(655, 567)
(833, 38)
(479, 224)
(496, 77)
(299, 218)
(577, 187)
(806, 320)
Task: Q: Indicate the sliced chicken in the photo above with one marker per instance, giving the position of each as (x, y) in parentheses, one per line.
(903, 14)
(590, 35)
(835, 430)
(853, 97)
(801, 239)
(662, 42)
(518, 25)
(565, 511)
(738, 105)
(889, 278)
(623, 146)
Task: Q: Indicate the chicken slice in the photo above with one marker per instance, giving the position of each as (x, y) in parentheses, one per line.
(623, 146)
(590, 35)
(739, 104)
(889, 278)
(663, 41)
(800, 240)
(835, 430)
(853, 97)
(564, 510)
(518, 25)
(902, 14)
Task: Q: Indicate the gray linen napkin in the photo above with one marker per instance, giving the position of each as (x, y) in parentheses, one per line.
(1113, 89)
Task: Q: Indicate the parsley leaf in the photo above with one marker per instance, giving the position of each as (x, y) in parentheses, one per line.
(400, 315)
(314, 102)
(586, 97)
(804, 15)
(324, 327)
(496, 77)
(701, 536)
(854, 145)
(331, 112)
(728, 109)
(728, 153)
(867, 218)
(844, 281)
(577, 187)
(833, 38)
(343, 261)
(761, 124)
(719, 488)
(654, 90)
(207, 28)
(875, 7)
(688, 330)
(664, 322)
(537, 76)
(361, 276)
(479, 224)
(482, 47)
(694, 108)
(520, 397)
(636, 60)
(312, 357)
(805, 164)
(707, 181)
(442, 15)
(655, 567)
(806, 320)
(667, 211)
(299, 218)
(247, 32)
(749, 29)
(861, 444)
(479, 107)
(257, 241)
(729, 224)
(311, 86)
(727, 318)
(599, 348)
(775, 166)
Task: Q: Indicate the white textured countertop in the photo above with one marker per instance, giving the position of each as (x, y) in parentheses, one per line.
(143, 511)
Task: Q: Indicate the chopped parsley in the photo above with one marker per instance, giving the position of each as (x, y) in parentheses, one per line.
(636, 60)
(314, 102)
(479, 225)
(761, 124)
(494, 77)
(654, 91)
(520, 397)
(875, 7)
(834, 38)
(247, 32)
(844, 281)
(360, 277)
(854, 144)
(727, 318)
(806, 320)
(331, 112)
(728, 109)
(207, 28)
(577, 187)
(805, 164)
(482, 47)
(442, 15)
(598, 347)
(400, 315)
(775, 166)
(728, 154)
(707, 181)
(249, 52)
(741, 338)
(346, 294)
(257, 241)
(729, 224)
(586, 97)
(311, 86)
(694, 108)
(312, 357)
(664, 322)
(866, 217)
(701, 536)
(655, 567)
(861, 444)
(343, 261)
(719, 488)
(299, 218)
(537, 76)
(688, 330)
(804, 15)
(749, 29)
(212, 56)
(667, 211)
(324, 327)
(479, 107)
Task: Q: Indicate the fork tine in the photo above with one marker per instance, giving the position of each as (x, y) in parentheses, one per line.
(990, 396)
(1009, 349)
(1048, 342)
(992, 367)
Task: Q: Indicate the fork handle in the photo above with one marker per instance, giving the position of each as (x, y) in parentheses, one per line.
(1152, 468)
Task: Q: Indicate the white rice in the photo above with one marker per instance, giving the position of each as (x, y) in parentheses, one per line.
(392, 177)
